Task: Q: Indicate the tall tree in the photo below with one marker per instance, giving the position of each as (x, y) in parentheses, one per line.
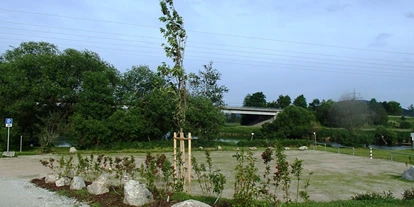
(284, 101)
(313, 106)
(257, 99)
(392, 108)
(205, 84)
(176, 76)
(379, 115)
(300, 101)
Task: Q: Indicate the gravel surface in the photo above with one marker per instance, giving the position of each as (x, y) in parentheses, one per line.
(16, 190)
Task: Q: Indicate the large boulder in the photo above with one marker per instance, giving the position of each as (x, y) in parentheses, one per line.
(408, 174)
(99, 186)
(77, 183)
(51, 178)
(62, 181)
(191, 203)
(136, 194)
(303, 148)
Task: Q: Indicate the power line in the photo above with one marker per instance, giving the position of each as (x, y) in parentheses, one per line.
(146, 52)
(213, 33)
(289, 66)
(352, 62)
(226, 45)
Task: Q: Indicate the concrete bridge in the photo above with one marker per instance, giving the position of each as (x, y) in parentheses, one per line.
(272, 112)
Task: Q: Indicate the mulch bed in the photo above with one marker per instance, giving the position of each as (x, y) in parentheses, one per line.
(111, 199)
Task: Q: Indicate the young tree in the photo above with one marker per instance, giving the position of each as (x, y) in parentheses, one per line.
(205, 84)
(257, 99)
(176, 76)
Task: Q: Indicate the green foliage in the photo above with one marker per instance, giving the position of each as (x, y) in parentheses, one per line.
(406, 125)
(408, 194)
(211, 181)
(349, 114)
(392, 108)
(53, 127)
(203, 118)
(158, 173)
(205, 84)
(379, 115)
(300, 101)
(245, 188)
(385, 136)
(292, 122)
(273, 143)
(175, 76)
(373, 196)
(283, 101)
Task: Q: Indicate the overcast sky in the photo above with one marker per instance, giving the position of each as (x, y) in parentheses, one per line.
(318, 48)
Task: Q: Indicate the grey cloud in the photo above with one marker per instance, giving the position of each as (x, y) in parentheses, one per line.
(383, 36)
(410, 15)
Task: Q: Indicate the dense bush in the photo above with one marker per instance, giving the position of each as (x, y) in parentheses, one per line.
(405, 125)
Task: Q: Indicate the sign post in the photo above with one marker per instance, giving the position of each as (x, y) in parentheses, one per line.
(9, 124)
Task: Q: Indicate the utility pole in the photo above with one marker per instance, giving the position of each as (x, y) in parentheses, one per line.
(354, 95)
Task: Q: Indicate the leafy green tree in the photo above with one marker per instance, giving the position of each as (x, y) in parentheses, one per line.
(292, 122)
(379, 115)
(257, 99)
(392, 108)
(136, 83)
(272, 104)
(313, 106)
(204, 119)
(284, 101)
(322, 112)
(300, 101)
(411, 110)
(205, 84)
(175, 76)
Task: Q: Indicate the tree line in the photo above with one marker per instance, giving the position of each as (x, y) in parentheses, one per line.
(300, 119)
(77, 96)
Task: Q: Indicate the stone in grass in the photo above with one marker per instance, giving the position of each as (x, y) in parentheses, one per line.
(191, 203)
(136, 194)
(77, 183)
(51, 178)
(99, 186)
(408, 174)
(303, 148)
(62, 181)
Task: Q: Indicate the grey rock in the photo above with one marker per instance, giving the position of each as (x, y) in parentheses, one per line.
(99, 186)
(303, 148)
(136, 194)
(72, 150)
(77, 183)
(191, 203)
(62, 181)
(408, 174)
(51, 178)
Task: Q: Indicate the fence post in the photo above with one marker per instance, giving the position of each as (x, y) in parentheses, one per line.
(353, 151)
(370, 153)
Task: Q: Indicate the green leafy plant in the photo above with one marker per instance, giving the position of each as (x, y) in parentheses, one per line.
(408, 194)
(210, 182)
(245, 187)
(373, 196)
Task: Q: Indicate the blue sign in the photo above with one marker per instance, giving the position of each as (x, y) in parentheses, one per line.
(9, 122)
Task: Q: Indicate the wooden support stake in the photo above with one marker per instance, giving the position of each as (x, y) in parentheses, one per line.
(175, 156)
(189, 163)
